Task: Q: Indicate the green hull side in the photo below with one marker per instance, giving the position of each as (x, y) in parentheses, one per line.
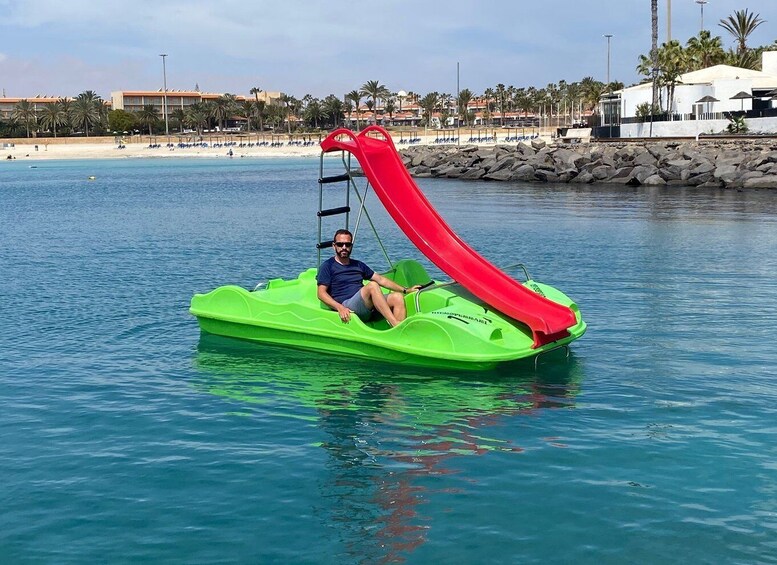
(451, 329)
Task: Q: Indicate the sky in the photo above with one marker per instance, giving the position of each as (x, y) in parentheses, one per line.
(321, 47)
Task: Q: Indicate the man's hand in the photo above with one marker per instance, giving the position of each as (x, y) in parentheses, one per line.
(344, 312)
(413, 288)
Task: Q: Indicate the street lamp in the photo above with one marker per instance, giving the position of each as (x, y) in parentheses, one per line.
(164, 95)
(609, 37)
(701, 4)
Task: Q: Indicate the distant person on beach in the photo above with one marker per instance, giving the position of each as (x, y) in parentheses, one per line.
(340, 286)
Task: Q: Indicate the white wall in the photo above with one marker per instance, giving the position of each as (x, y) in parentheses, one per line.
(691, 128)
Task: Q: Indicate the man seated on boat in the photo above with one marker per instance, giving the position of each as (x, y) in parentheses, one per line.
(340, 286)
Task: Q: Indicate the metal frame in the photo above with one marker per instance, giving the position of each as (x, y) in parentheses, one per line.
(322, 180)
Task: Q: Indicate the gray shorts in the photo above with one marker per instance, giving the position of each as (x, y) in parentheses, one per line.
(356, 305)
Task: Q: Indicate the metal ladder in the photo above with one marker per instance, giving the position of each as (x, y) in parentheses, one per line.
(322, 213)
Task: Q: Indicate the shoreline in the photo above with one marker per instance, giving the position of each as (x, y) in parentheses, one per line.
(218, 147)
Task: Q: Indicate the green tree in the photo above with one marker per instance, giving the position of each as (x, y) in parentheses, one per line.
(86, 110)
(313, 113)
(197, 116)
(428, 104)
(375, 91)
(355, 97)
(224, 107)
(260, 106)
(333, 109)
(462, 104)
(740, 25)
(247, 110)
(500, 93)
(53, 116)
(654, 53)
(179, 117)
(705, 51)
(24, 113)
(148, 116)
(121, 121)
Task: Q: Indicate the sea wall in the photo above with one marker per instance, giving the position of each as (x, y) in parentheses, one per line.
(708, 163)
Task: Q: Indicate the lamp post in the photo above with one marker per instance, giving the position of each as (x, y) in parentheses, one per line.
(164, 95)
(609, 37)
(701, 4)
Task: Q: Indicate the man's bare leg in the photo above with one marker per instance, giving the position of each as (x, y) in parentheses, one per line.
(374, 298)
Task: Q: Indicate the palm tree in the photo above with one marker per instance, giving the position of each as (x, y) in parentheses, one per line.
(591, 90)
(148, 116)
(489, 95)
(86, 110)
(501, 93)
(428, 103)
(654, 54)
(462, 104)
(247, 110)
(705, 51)
(749, 59)
(389, 107)
(197, 116)
(314, 112)
(53, 115)
(376, 91)
(287, 100)
(741, 24)
(355, 97)
(223, 108)
(260, 106)
(179, 115)
(332, 107)
(24, 112)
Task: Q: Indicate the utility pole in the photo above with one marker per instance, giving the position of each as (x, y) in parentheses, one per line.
(164, 78)
(668, 21)
(701, 4)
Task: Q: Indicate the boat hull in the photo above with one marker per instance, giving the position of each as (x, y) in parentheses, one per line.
(446, 327)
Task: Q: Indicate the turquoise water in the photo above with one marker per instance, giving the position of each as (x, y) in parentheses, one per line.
(127, 437)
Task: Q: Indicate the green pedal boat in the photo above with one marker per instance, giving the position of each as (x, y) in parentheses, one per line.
(481, 318)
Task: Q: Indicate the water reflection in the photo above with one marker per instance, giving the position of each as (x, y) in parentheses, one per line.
(385, 428)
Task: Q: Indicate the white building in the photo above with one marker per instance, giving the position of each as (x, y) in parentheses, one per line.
(704, 101)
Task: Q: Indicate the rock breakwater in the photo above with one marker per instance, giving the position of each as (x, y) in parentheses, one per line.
(709, 163)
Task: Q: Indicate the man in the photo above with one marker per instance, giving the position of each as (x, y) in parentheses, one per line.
(340, 286)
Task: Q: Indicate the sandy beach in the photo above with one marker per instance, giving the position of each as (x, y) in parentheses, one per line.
(215, 147)
(41, 150)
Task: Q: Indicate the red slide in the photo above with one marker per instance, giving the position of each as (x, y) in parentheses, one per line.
(421, 223)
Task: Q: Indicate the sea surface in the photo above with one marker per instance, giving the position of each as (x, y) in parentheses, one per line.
(128, 437)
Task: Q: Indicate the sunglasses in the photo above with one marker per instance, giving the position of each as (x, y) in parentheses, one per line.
(347, 244)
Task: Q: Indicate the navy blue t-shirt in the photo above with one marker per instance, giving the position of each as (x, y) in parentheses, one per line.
(343, 281)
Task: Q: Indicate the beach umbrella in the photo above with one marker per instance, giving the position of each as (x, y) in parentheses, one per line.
(741, 96)
(707, 100)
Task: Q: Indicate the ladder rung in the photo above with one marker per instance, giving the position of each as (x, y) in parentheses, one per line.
(324, 244)
(333, 211)
(336, 178)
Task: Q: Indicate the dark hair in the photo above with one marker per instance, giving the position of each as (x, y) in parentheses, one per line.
(343, 232)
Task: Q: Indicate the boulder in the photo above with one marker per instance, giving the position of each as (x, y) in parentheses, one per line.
(504, 174)
(654, 180)
(473, 174)
(583, 178)
(523, 172)
(537, 144)
(546, 176)
(761, 182)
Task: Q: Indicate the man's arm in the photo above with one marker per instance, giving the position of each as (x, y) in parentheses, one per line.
(326, 298)
(391, 285)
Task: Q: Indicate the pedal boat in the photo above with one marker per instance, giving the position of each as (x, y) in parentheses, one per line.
(446, 327)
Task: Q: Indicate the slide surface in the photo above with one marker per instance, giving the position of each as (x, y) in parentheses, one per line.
(421, 223)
